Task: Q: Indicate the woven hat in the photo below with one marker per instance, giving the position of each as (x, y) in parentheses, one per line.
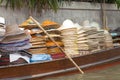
(15, 48)
(49, 44)
(28, 24)
(67, 24)
(2, 33)
(2, 20)
(17, 38)
(48, 23)
(13, 30)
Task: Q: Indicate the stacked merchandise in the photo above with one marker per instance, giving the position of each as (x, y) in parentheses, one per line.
(2, 28)
(37, 40)
(90, 38)
(14, 41)
(38, 45)
(108, 39)
(116, 37)
(51, 28)
(4, 59)
(69, 37)
(88, 41)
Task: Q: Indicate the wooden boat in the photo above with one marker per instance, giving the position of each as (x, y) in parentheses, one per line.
(58, 66)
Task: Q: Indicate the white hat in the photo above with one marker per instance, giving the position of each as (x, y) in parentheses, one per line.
(86, 23)
(95, 24)
(67, 24)
(2, 20)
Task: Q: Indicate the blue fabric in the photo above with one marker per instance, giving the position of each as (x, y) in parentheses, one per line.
(40, 57)
(114, 34)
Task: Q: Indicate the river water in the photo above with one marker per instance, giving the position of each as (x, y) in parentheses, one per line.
(111, 73)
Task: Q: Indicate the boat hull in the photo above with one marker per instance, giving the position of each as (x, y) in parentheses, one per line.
(41, 69)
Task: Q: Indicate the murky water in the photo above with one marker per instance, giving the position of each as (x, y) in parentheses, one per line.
(111, 73)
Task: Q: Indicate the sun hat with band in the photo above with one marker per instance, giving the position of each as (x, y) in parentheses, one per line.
(12, 30)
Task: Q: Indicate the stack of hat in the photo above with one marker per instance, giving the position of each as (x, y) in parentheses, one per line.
(89, 39)
(28, 24)
(38, 45)
(108, 39)
(14, 39)
(37, 41)
(69, 37)
(51, 28)
(2, 28)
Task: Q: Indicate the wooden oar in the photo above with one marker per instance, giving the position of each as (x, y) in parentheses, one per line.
(69, 57)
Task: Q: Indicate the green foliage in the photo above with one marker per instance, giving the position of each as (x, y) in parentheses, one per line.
(118, 3)
(39, 5)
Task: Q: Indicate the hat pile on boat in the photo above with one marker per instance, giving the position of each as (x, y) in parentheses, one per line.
(51, 28)
(92, 38)
(38, 45)
(14, 39)
(37, 41)
(69, 37)
(88, 38)
(108, 39)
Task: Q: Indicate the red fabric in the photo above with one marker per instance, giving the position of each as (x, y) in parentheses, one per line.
(58, 55)
(4, 60)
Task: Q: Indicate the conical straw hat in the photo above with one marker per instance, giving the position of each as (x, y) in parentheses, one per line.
(28, 24)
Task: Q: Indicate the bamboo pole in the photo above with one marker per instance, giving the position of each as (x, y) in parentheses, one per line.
(69, 57)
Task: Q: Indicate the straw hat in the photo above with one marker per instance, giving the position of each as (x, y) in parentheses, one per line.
(2, 33)
(49, 44)
(13, 30)
(28, 24)
(67, 24)
(2, 20)
(15, 48)
(51, 31)
(16, 38)
(54, 50)
(37, 50)
(48, 23)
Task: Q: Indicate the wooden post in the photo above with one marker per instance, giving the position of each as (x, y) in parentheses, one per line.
(104, 17)
(69, 57)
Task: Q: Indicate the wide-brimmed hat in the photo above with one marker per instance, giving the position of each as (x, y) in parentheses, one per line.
(48, 23)
(67, 24)
(49, 44)
(37, 50)
(51, 31)
(28, 24)
(2, 20)
(16, 38)
(2, 33)
(15, 48)
(13, 30)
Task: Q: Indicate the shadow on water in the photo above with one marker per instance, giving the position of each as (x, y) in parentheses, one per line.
(112, 73)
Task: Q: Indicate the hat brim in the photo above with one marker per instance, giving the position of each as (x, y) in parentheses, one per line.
(14, 33)
(17, 38)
